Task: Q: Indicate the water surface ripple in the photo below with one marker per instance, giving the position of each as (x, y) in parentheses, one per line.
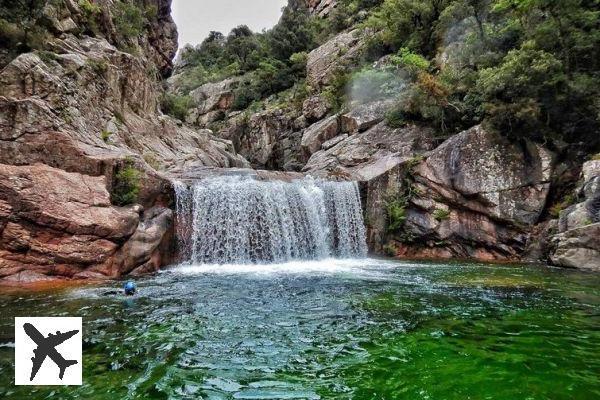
(331, 329)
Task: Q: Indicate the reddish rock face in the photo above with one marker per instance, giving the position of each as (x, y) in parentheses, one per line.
(71, 117)
(55, 223)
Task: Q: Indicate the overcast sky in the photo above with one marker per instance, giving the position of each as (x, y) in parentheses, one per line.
(196, 18)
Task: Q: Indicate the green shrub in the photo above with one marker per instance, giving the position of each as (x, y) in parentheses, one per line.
(151, 12)
(152, 161)
(90, 12)
(394, 118)
(335, 93)
(88, 7)
(389, 250)
(556, 208)
(126, 185)
(441, 214)
(129, 20)
(175, 105)
(413, 62)
(47, 56)
(98, 66)
(396, 214)
(105, 135)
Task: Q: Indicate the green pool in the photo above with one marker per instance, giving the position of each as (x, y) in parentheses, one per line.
(353, 329)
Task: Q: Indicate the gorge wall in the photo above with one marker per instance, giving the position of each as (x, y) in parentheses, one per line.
(85, 151)
(476, 194)
(87, 156)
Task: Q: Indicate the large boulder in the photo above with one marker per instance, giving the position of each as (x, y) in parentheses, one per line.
(511, 181)
(212, 98)
(476, 196)
(578, 248)
(366, 155)
(333, 56)
(315, 135)
(577, 244)
(315, 108)
(363, 116)
(56, 223)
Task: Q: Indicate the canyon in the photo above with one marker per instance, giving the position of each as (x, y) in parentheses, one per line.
(81, 121)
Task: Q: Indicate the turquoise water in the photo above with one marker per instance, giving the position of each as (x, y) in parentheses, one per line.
(355, 329)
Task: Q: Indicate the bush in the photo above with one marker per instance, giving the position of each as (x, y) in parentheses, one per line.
(90, 12)
(374, 84)
(394, 118)
(441, 214)
(176, 106)
(389, 250)
(556, 208)
(105, 135)
(335, 93)
(129, 20)
(99, 66)
(412, 62)
(126, 185)
(396, 214)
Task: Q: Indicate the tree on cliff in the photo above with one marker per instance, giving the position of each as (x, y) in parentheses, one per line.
(19, 24)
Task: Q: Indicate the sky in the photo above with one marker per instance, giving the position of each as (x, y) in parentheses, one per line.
(196, 18)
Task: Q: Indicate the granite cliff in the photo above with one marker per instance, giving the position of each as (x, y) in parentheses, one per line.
(87, 155)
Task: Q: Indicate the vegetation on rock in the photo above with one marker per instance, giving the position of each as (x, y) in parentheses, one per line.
(126, 184)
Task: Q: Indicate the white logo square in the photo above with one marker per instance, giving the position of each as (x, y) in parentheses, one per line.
(48, 351)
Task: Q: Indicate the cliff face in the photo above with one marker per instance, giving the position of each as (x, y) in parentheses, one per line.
(86, 156)
(474, 195)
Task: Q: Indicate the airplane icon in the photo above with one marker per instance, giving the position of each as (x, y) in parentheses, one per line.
(46, 348)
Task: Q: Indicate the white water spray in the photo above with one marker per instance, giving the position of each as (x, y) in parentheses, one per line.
(240, 220)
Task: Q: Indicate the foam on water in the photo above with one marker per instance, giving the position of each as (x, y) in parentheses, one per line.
(359, 266)
(240, 220)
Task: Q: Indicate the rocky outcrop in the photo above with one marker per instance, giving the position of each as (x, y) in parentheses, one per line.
(268, 139)
(577, 244)
(367, 155)
(475, 196)
(156, 45)
(321, 7)
(77, 114)
(316, 134)
(333, 56)
(59, 223)
(314, 108)
(363, 116)
(211, 101)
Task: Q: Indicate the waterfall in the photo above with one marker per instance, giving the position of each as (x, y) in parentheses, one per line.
(240, 220)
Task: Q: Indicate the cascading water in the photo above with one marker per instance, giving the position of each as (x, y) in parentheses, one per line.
(240, 220)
